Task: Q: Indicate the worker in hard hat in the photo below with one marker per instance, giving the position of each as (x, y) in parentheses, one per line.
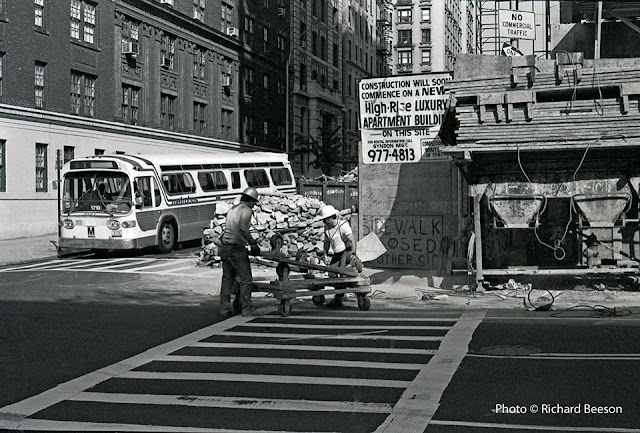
(339, 243)
(234, 254)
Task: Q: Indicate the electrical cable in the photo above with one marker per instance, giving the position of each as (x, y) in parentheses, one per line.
(596, 310)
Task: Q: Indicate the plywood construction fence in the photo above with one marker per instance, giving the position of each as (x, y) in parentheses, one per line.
(410, 193)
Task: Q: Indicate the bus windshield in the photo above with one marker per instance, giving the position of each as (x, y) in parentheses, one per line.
(108, 192)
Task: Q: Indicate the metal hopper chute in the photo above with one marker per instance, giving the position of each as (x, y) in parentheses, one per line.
(517, 210)
(601, 209)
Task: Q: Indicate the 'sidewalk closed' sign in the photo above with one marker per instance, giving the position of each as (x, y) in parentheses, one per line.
(400, 116)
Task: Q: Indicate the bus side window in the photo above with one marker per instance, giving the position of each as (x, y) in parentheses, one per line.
(256, 178)
(235, 180)
(156, 193)
(281, 176)
(144, 189)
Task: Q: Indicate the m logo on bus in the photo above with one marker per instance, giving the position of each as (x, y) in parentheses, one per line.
(91, 232)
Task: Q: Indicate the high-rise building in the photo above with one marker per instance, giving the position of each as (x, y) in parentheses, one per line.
(264, 33)
(428, 35)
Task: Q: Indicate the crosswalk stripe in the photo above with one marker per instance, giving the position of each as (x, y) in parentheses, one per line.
(163, 263)
(360, 336)
(296, 361)
(99, 263)
(334, 326)
(521, 427)
(38, 424)
(392, 350)
(121, 265)
(40, 265)
(234, 402)
(265, 378)
(370, 318)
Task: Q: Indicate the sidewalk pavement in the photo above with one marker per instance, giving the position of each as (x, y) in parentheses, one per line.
(423, 288)
(21, 250)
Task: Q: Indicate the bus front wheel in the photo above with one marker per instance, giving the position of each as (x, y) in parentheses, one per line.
(167, 237)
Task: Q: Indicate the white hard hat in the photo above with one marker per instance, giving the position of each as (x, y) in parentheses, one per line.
(251, 192)
(327, 211)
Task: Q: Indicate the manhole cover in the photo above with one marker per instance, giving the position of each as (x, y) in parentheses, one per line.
(508, 350)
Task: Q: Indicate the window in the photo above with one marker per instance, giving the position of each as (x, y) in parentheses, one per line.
(226, 76)
(41, 167)
(265, 82)
(265, 37)
(314, 43)
(404, 16)
(39, 12)
(335, 55)
(248, 81)
(3, 167)
(68, 153)
(281, 176)
(426, 57)
(199, 63)
(426, 36)
(248, 129)
(404, 37)
(226, 123)
(144, 190)
(1, 73)
(281, 42)
(226, 17)
(212, 181)
(167, 111)
(265, 128)
(98, 152)
(256, 178)
(198, 9)
(404, 57)
(303, 76)
(130, 104)
(167, 51)
(323, 48)
(83, 94)
(235, 180)
(178, 183)
(83, 21)
(199, 118)
(426, 15)
(248, 25)
(39, 84)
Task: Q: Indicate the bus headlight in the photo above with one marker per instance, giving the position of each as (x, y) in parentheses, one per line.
(128, 224)
(113, 224)
(68, 223)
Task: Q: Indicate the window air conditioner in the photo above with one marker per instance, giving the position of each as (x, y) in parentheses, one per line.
(130, 48)
(232, 31)
(226, 81)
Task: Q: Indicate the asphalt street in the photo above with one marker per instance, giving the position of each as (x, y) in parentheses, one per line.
(136, 343)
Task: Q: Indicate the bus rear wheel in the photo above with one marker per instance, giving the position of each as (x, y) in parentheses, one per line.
(167, 237)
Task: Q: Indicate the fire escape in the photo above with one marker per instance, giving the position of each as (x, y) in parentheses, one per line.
(384, 37)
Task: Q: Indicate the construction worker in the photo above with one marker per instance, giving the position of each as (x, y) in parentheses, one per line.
(339, 244)
(234, 254)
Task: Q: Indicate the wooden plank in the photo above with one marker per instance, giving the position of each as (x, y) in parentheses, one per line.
(317, 282)
(335, 270)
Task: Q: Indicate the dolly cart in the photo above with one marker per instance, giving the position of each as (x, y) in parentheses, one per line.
(288, 287)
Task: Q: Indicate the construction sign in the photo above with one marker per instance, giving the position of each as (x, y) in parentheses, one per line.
(400, 116)
(517, 24)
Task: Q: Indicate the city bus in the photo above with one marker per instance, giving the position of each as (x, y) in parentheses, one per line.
(120, 201)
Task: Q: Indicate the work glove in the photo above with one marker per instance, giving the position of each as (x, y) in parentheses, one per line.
(255, 250)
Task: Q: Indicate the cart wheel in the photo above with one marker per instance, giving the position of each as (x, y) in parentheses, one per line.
(363, 302)
(285, 308)
(318, 299)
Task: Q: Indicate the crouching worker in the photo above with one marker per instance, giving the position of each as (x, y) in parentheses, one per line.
(234, 254)
(339, 244)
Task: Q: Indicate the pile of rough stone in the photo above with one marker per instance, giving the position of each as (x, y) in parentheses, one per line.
(291, 215)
